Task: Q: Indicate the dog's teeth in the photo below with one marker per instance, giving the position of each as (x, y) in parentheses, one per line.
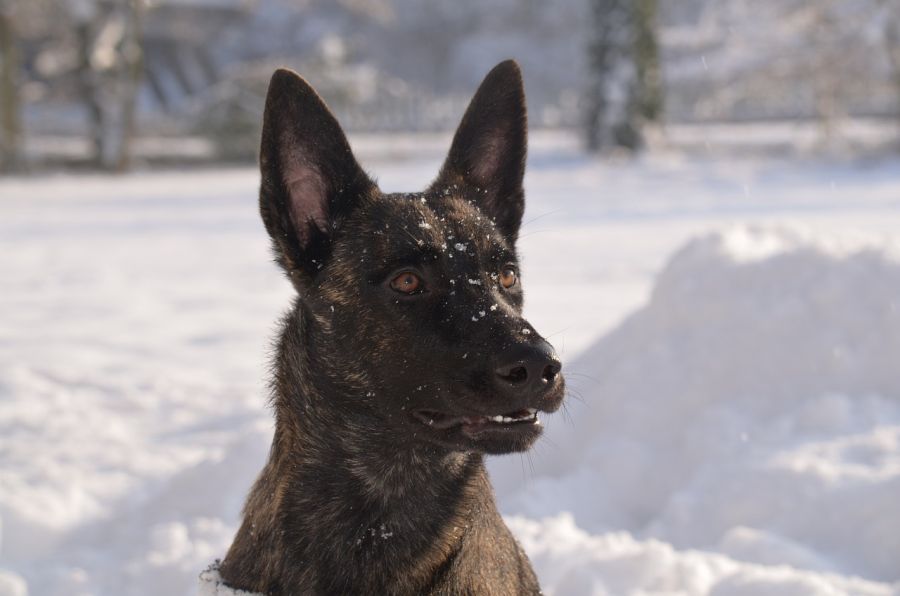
(529, 415)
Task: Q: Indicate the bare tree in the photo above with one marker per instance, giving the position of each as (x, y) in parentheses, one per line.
(831, 57)
(88, 79)
(829, 68)
(132, 63)
(11, 111)
(892, 46)
(108, 72)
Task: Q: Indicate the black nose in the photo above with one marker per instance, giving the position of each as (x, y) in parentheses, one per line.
(529, 368)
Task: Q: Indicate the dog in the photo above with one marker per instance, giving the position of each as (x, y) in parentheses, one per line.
(403, 361)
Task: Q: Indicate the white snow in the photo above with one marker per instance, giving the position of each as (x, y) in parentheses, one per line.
(211, 584)
(752, 408)
(571, 561)
(734, 426)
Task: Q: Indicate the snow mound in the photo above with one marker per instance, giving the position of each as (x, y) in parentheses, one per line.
(751, 408)
(570, 561)
(12, 584)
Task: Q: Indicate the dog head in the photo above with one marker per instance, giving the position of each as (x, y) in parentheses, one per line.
(416, 298)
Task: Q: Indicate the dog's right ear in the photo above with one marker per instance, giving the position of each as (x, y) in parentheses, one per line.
(310, 179)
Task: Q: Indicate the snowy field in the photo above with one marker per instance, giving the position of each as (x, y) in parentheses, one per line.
(730, 328)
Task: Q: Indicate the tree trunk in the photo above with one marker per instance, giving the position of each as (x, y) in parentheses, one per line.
(892, 41)
(132, 52)
(648, 75)
(88, 86)
(11, 116)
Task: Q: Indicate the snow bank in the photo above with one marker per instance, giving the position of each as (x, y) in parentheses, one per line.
(571, 561)
(751, 408)
(738, 433)
(12, 585)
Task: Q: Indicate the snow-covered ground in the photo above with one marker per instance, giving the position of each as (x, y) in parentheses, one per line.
(731, 330)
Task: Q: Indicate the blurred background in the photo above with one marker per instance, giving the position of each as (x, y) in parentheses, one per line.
(118, 84)
(711, 242)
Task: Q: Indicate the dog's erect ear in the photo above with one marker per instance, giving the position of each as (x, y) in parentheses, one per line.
(487, 156)
(310, 179)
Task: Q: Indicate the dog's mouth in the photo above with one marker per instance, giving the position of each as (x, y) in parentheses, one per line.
(474, 424)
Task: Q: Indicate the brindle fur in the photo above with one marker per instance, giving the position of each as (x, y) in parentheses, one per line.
(358, 497)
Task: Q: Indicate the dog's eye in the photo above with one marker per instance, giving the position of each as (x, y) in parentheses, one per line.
(508, 277)
(406, 283)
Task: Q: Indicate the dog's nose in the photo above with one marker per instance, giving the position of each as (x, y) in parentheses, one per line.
(531, 368)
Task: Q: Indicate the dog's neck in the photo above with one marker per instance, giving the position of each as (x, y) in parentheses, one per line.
(346, 481)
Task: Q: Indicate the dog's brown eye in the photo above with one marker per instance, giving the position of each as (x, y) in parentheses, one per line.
(508, 277)
(406, 283)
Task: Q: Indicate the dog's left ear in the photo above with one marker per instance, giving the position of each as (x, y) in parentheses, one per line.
(310, 179)
(487, 157)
